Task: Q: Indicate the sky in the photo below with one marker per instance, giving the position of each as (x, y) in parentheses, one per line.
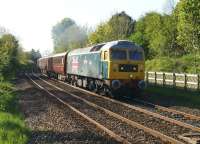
(32, 20)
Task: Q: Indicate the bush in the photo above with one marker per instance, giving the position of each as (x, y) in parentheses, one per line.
(12, 126)
(185, 64)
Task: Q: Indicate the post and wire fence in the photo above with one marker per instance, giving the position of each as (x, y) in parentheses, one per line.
(175, 80)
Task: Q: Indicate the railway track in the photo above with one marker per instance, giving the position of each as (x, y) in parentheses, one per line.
(169, 128)
(127, 130)
(172, 113)
(181, 118)
(179, 115)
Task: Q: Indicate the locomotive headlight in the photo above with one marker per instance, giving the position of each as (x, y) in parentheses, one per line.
(115, 67)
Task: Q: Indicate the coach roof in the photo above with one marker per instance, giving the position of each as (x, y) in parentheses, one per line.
(59, 54)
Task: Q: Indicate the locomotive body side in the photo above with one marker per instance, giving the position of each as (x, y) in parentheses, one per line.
(85, 64)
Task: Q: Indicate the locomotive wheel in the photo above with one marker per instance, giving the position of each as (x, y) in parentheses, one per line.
(111, 93)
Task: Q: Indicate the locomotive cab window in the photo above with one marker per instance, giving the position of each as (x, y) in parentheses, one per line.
(135, 55)
(118, 55)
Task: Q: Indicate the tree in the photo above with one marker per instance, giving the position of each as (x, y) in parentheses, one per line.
(122, 25)
(148, 34)
(157, 34)
(139, 36)
(67, 35)
(188, 25)
(8, 54)
(35, 55)
(101, 34)
(119, 26)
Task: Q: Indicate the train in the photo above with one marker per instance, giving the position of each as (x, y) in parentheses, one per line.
(113, 68)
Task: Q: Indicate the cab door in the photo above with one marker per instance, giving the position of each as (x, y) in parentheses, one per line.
(104, 64)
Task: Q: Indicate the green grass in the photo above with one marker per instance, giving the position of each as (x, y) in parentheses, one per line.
(12, 126)
(172, 96)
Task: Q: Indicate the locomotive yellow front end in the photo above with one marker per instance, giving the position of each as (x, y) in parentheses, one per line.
(125, 70)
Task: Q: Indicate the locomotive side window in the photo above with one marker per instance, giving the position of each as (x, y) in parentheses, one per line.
(118, 55)
(135, 55)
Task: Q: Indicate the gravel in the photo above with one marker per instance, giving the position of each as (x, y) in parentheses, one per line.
(53, 123)
(132, 134)
(146, 120)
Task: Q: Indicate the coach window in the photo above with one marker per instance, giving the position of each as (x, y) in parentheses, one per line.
(105, 55)
(62, 61)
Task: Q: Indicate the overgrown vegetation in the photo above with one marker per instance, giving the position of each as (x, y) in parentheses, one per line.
(185, 64)
(168, 39)
(12, 58)
(12, 126)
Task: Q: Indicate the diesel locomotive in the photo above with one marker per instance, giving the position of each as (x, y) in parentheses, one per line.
(111, 68)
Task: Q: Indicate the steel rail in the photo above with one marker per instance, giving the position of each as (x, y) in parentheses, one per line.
(179, 123)
(109, 132)
(190, 116)
(130, 122)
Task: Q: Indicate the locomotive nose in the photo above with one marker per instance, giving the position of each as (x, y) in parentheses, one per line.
(116, 84)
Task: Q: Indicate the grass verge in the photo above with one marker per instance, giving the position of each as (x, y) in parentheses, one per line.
(172, 97)
(12, 126)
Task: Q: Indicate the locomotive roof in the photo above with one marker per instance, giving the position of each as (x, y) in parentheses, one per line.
(120, 44)
(102, 46)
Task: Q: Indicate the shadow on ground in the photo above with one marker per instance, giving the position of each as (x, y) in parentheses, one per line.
(171, 97)
(79, 137)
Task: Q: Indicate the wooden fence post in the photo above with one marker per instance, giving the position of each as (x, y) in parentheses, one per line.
(185, 81)
(155, 78)
(198, 82)
(174, 80)
(164, 79)
(147, 77)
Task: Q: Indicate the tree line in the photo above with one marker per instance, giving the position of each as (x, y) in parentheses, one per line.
(13, 58)
(170, 40)
(174, 34)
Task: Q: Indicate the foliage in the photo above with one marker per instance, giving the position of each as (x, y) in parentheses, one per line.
(68, 35)
(12, 127)
(184, 64)
(119, 26)
(156, 33)
(170, 40)
(188, 24)
(34, 55)
(8, 54)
